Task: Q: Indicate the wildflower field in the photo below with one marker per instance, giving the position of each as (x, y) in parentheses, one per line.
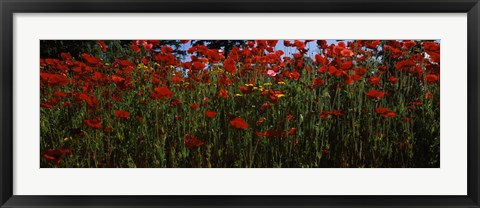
(240, 104)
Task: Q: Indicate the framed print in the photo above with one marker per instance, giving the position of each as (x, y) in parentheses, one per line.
(246, 104)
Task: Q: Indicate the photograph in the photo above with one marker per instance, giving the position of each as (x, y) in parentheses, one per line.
(240, 103)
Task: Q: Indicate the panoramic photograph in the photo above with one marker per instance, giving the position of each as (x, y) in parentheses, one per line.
(239, 103)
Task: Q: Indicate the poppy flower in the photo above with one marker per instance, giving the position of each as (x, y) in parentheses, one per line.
(47, 105)
(260, 134)
(374, 80)
(163, 92)
(390, 114)
(135, 48)
(336, 112)
(375, 94)
(290, 117)
(210, 114)
(194, 106)
(272, 133)
(175, 102)
(317, 82)
(381, 110)
(392, 79)
(260, 121)
(360, 71)
(346, 52)
(417, 103)
(102, 45)
(431, 78)
(229, 65)
(292, 131)
(223, 93)
(428, 95)
(95, 122)
(192, 142)
(324, 114)
(224, 80)
(239, 123)
(54, 79)
(54, 156)
(121, 114)
(246, 89)
(91, 60)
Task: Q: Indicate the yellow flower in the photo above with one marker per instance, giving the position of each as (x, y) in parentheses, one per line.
(255, 88)
(238, 95)
(280, 95)
(281, 83)
(67, 138)
(249, 85)
(268, 84)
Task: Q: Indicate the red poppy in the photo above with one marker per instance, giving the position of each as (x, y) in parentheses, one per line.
(324, 114)
(102, 45)
(346, 52)
(428, 95)
(290, 117)
(175, 102)
(192, 142)
(210, 114)
(229, 65)
(417, 103)
(295, 75)
(47, 105)
(390, 114)
(336, 112)
(392, 79)
(121, 114)
(260, 121)
(375, 94)
(239, 123)
(163, 92)
(360, 71)
(54, 79)
(260, 134)
(95, 122)
(194, 106)
(246, 89)
(135, 48)
(91, 60)
(292, 131)
(431, 78)
(54, 156)
(224, 80)
(374, 80)
(381, 110)
(223, 93)
(317, 82)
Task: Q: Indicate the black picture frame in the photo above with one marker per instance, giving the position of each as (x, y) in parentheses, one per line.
(9, 7)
